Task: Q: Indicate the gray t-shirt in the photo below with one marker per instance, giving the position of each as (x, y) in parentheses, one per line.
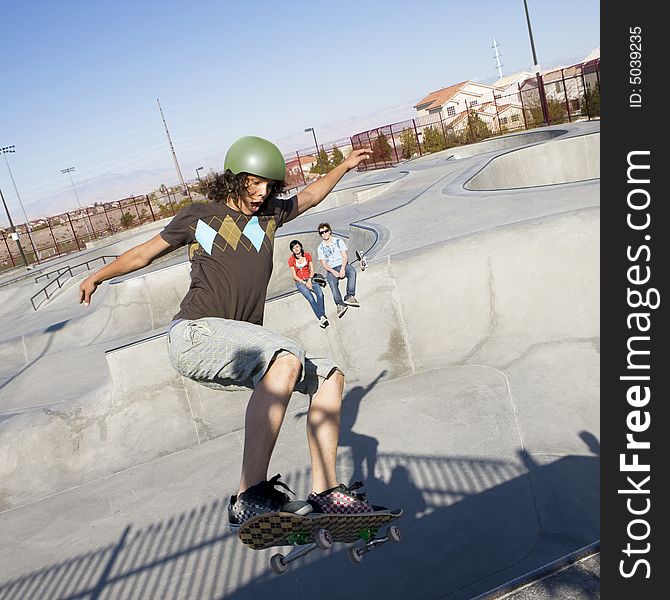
(231, 257)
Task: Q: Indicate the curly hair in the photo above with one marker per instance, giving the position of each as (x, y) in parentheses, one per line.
(221, 186)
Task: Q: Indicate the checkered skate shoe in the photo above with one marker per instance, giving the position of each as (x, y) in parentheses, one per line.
(343, 500)
(263, 498)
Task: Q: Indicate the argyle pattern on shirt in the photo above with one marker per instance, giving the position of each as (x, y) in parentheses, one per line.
(233, 232)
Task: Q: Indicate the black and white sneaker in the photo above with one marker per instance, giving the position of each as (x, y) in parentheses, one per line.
(343, 500)
(263, 498)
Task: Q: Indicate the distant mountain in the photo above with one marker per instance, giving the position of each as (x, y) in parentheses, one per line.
(104, 188)
(115, 186)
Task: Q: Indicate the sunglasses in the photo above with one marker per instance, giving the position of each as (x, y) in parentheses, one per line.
(324, 231)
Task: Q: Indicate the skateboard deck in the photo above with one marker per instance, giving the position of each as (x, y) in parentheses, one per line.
(313, 532)
(286, 529)
(363, 260)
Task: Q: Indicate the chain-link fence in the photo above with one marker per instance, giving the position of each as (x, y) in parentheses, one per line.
(69, 232)
(561, 96)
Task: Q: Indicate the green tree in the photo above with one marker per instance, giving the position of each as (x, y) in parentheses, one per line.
(337, 157)
(555, 109)
(203, 185)
(591, 101)
(476, 129)
(408, 143)
(381, 149)
(127, 219)
(164, 210)
(322, 165)
(433, 139)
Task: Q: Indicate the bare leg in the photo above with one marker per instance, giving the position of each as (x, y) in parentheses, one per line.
(323, 431)
(264, 417)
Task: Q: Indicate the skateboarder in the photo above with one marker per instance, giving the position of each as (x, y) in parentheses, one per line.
(302, 269)
(333, 256)
(217, 338)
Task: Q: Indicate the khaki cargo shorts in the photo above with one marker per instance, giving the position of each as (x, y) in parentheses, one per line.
(225, 354)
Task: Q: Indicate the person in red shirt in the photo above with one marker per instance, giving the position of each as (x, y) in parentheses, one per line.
(302, 268)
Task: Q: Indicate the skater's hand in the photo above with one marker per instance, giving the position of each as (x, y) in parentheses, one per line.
(356, 157)
(86, 289)
(308, 283)
(341, 274)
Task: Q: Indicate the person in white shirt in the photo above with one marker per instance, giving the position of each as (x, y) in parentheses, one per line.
(333, 256)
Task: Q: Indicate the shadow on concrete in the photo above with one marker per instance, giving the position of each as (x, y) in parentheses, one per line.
(49, 333)
(470, 524)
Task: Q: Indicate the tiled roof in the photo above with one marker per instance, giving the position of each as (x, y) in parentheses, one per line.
(440, 97)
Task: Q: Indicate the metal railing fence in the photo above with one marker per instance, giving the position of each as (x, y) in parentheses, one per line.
(561, 96)
(62, 274)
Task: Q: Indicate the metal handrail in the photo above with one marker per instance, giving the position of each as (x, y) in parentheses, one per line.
(60, 278)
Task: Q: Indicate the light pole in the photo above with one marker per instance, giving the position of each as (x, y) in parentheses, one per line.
(68, 171)
(10, 150)
(316, 145)
(197, 172)
(15, 234)
(536, 67)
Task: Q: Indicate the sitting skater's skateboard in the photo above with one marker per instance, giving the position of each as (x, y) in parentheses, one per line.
(362, 259)
(319, 279)
(307, 533)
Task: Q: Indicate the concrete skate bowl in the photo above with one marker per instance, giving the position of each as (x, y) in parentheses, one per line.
(495, 144)
(569, 160)
(473, 407)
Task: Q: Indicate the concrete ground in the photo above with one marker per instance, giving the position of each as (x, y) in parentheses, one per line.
(472, 399)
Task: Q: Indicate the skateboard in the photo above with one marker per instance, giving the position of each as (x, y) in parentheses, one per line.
(311, 532)
(362, 259)
(319, 279)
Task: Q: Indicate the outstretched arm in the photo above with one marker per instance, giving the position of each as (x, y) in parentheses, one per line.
(131, 260)
(317, 191)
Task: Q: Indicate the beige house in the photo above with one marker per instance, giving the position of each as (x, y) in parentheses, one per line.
(293, 167)
(448, 102)
(497, 105)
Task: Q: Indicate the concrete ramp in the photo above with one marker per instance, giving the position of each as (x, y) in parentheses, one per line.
(511, 301)
(562, 161)
(472, 402)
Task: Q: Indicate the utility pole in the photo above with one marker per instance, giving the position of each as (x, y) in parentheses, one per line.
(10, 150)
(497, 57)
(536, 68)
(184, 188)
(15, 234)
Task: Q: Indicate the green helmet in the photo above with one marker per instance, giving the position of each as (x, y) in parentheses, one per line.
(254, 155)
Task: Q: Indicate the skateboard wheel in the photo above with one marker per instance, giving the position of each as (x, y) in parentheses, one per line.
(355, 555)
(277, 564)
(394, 534)
(323, 539)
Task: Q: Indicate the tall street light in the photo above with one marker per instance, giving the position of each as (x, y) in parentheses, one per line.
(15, 234)
(536, 68)
(10, 150)
(315, 143)
(197, 172)
(68, 171)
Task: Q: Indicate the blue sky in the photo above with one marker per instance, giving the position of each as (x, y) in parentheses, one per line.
(80, 79)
